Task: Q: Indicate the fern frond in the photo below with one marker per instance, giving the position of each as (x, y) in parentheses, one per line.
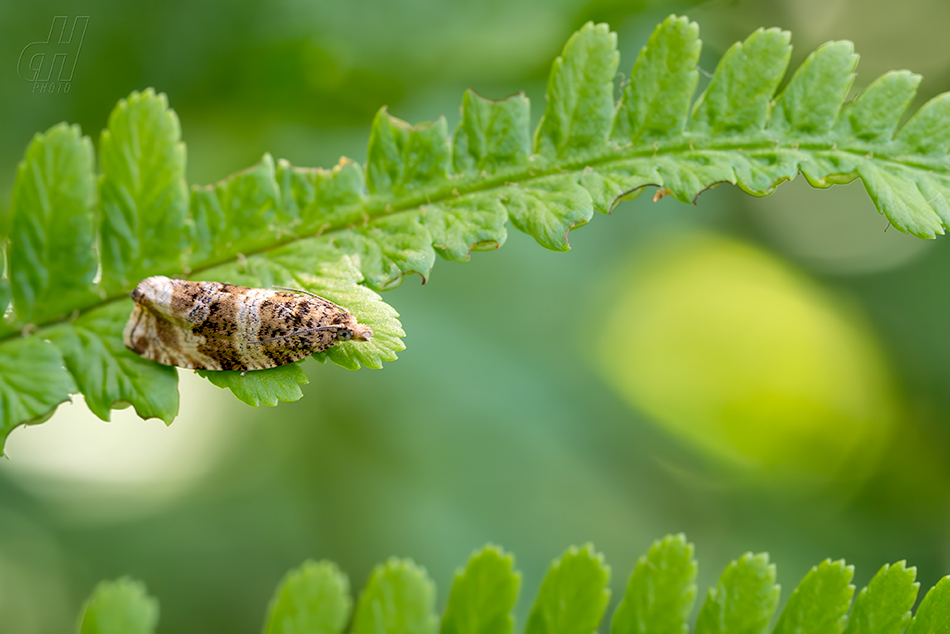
(483, 595)
(355, 229)
(312, 598)
(573, 595)
(122, 606)
(744, 600)
(883, 607)
(661, 591)
(399, 599)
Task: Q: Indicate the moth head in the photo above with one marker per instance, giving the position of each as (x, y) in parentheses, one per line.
(351, 329)
(152, 289)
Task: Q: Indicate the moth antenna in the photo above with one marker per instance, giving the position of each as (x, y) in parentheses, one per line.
(305, 292)
(299, 333)
(296, 290)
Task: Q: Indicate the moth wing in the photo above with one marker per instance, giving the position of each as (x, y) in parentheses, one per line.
(280, 349)
(149, 335)
(205, 325)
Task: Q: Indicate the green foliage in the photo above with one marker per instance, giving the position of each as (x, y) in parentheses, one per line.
(744, 599)
(424, 191)
(580, 94)
(51, 225)
(933, 614)
(33, 381)
(573, 595)
(313, 599)
(261, 387)
(119, 607)
(399, 599)
(483, 595)
(143, 198)
(883, 607)
(820, 603)
(661, 591)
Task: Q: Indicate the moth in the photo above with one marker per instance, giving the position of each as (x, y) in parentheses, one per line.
(215, 326)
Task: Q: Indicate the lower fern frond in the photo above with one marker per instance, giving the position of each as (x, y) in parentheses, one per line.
(399, 598)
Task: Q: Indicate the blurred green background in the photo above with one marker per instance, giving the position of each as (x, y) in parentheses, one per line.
(763, 374)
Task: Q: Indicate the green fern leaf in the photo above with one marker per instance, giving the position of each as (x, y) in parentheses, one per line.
(457, 228)
(261, 387)
(573, 595)
(819, 605)
(483, 595)
(933, 613)
(33, 382)
(580, 94)
(744, 599)
(874, 114)
(119, 607)
(390, 248)
(655, 103)
(740, 92)
(399, 598)
(142, 193)
(883, 607)
(427, 191)
(312, 599)
(238, 215)
(661, 590)
(811, 102)
(927, 133)
(548, 208)
(492, 135)
(52, 229)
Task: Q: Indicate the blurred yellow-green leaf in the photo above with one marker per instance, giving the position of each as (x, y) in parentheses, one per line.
(749, 360)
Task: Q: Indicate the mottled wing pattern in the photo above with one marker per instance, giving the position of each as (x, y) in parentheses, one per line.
(214, 326)
(154, 338)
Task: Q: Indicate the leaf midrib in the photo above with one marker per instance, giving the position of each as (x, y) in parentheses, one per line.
(377, 206)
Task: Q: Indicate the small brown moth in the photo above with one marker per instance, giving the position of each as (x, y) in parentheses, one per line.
(214, 326)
